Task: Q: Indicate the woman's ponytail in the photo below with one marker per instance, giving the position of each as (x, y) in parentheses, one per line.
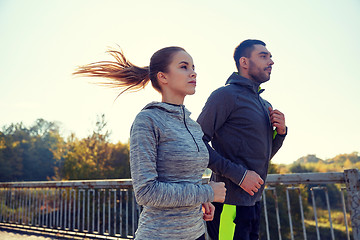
(126, 76)
(120, 73)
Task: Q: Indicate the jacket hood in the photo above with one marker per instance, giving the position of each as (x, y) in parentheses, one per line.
(237, 79)
(168, 107)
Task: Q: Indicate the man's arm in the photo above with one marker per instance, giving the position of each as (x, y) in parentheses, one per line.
(212, 118)
(248, 180)
(225, 167)
(277, 119)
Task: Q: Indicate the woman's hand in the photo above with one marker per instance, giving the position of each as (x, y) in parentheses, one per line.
(208, 210)
(219, 191)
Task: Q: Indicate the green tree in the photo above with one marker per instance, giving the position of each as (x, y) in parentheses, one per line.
(118, 165)
(5, 165)
(94, 157)
(299, 168)
(26, 153)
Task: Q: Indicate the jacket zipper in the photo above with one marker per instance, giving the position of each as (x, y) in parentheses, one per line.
(269, 121)
(197, 146)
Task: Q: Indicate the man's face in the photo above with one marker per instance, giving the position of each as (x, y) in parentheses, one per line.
(260, 64)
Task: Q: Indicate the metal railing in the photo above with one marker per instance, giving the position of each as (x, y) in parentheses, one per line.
(300, 184)
(98, 209)
(107, 208)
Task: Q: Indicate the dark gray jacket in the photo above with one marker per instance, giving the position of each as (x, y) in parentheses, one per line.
(167, 159)
(236, 121)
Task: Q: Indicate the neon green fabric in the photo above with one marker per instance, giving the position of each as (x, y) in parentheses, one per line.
(275, 133)
(227, 225)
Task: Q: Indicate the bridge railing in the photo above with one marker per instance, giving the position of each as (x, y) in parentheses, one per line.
(107, 208)
(98, 209)
(295, 186)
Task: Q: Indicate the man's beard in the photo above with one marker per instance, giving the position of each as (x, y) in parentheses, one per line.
(257, 74)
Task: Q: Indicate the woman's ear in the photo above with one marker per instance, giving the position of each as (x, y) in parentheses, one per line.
(162, 78)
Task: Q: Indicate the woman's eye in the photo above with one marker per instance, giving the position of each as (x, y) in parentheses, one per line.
(184, 67)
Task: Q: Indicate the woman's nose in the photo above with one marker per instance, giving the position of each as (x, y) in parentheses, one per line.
(193, 74)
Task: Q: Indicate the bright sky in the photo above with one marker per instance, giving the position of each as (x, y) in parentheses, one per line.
(314, 82)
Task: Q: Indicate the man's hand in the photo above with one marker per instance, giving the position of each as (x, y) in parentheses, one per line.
(252, 182)
(277, 119)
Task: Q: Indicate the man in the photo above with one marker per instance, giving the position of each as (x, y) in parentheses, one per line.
(245, 131)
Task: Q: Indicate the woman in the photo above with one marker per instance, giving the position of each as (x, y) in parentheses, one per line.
(167, 153)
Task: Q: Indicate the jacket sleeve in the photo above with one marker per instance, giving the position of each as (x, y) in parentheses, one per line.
(277, 142)
(213, 116)
(277, 138)
(148, 190)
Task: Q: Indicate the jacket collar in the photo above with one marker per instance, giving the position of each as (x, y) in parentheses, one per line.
(235, 78)
(168, 107)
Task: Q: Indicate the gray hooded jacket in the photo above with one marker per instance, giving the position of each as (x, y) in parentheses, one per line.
(168, 158)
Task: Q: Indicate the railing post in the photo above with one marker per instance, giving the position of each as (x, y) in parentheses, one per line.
(352, 180)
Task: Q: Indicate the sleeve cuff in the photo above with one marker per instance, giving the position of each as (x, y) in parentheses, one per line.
(210, 193)
(283, 135)
(242, 179)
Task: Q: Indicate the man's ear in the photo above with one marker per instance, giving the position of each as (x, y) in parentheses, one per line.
(162, 78)
(244, 62)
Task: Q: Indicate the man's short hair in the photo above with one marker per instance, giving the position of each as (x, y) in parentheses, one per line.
(244, 49)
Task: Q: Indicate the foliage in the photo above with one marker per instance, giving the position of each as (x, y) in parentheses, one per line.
(25, 153)
(39, 152)
(311, 163)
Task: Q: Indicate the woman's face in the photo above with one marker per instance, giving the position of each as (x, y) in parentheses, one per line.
(181, 75)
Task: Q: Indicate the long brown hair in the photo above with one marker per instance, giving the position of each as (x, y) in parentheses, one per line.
(126, 76)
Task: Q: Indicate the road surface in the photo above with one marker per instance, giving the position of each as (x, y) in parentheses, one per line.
(10, 235)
